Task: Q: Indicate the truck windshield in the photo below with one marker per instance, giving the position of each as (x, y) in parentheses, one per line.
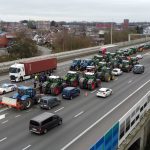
(13, 70)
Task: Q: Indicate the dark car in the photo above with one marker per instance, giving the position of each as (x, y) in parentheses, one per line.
(138, 69)
(47, 102)
(44, 122)
(70, 92)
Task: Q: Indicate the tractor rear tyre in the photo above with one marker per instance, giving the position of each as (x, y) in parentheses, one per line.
(27, 103)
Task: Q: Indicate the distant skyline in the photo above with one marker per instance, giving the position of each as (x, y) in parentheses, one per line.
(75, 10)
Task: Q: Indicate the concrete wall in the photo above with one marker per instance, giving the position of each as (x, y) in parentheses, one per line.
(141, 132)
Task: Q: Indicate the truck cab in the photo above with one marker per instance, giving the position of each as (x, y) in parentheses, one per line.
(17, 72)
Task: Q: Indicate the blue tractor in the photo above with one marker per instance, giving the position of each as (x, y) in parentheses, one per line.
(75, 66)
(85, 63)
(26, 97)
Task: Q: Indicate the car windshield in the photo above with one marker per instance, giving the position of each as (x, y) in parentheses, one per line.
(102, 90)
(4, 86)
(34, 123)
(115, 70)
(75, 61)
(13, 70)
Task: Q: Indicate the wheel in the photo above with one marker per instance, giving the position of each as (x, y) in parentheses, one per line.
(4, 92)
(60, 122)
(45, 131)
(27, 103)
(21, 79)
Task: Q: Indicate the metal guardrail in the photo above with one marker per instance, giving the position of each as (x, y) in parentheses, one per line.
(72, 54)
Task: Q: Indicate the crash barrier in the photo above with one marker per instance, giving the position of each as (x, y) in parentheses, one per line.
(63, 56)
(114, 137)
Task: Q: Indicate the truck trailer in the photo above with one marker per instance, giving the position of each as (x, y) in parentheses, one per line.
(25, 70)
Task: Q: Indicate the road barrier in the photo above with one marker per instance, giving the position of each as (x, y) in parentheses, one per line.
(63, 56)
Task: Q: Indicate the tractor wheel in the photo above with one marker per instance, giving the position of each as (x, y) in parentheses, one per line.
(107, 78)
(112, 77)
(28, 103)
(81, 85)
(57, 91)
(93, 86)
(75, 83)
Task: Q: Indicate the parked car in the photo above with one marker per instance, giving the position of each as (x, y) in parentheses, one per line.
(70, 92)
(44, 122)
(116, 71)
(48, 102)
(104, 92)
(139, 56)
(138, 69)
(7, 87)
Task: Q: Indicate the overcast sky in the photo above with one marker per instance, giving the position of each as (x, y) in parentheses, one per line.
(75, 10)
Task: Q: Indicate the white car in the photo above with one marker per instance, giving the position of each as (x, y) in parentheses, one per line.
(116, 71)
(7, 87)
(139, 56)
(104, 92)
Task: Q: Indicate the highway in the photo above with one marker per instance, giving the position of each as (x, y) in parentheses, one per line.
(78, 114)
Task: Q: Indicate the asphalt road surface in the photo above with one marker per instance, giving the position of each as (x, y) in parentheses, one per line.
(78, 114)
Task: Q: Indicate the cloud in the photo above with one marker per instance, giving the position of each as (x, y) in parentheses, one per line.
(71, 10)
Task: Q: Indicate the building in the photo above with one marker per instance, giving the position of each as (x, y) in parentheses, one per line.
(125, 24)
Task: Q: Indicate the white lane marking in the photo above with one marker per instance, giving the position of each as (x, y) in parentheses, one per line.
(116, 79)
(4, 121)
(2, 116)
(79, 114)
(100, 119)
(26, 147)
(93, 91)
(59, 109)
(4, 109)
(130, 81)
(17, 116)
(3, 139)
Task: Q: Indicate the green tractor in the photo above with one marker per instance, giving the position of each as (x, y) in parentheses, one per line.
(101, 65)
(126, 66)
(53, 85)
(89, 81)
(134, 61)
(71, 79)
(134, 50)
(106, 74)
(97, 58)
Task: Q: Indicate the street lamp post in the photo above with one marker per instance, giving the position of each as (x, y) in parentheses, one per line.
(111, 34)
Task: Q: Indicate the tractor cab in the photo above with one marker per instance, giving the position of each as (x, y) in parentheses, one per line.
(90, 69)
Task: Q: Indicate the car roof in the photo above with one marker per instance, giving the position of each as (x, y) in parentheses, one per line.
(42, 116)
(116, 69)
(24, 87)
(48, 97)
(69, 88)
(138, 65)
(103, 89)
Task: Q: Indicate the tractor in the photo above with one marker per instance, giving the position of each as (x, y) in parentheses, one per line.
(89, 81)
(97, 59)
(126, 66)
(75, 66)
(25, 98)
(85, 63)
(101, 65)
(134, 61)
(71, 79)
(53, 85)
(105, 74)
